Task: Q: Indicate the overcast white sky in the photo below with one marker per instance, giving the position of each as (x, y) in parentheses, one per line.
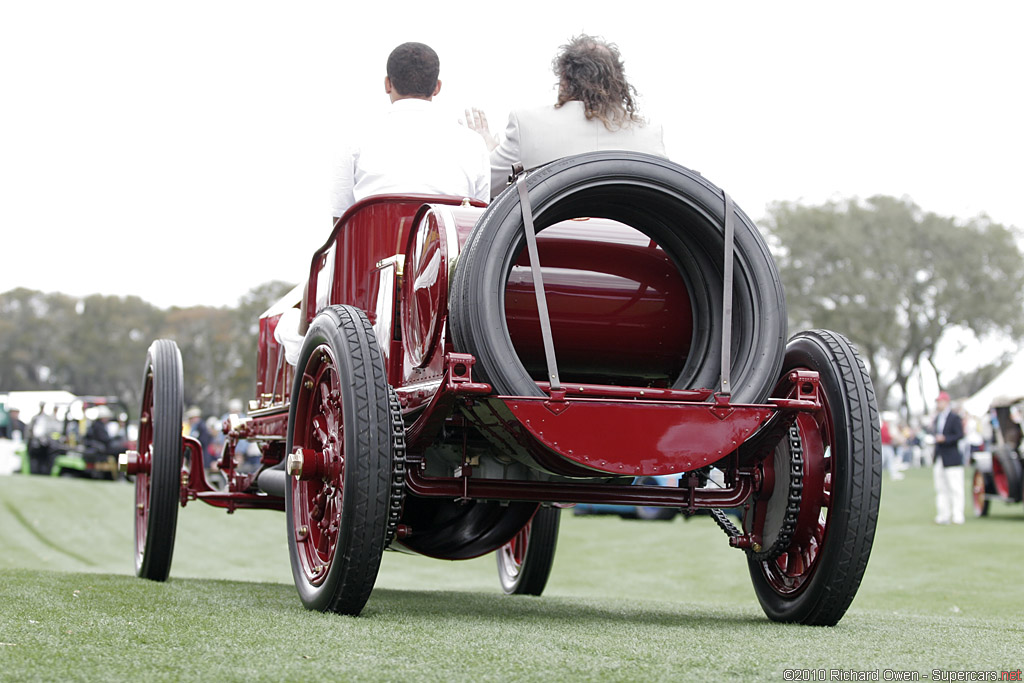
(181, 151)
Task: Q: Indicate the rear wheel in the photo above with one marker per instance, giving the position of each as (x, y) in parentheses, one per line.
(338, 497)
(815, 576)
(1006, 474)
(158, 483)
(524, 563)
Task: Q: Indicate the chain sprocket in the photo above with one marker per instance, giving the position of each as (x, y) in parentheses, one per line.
(792, 511)
(397, 497)
(793, 499)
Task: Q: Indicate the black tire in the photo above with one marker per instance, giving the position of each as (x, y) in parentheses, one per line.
(982, 485)
(814, 580)
(1006, 469)
(340, 390)
(158, 493)
(524, 563)
(676, 207)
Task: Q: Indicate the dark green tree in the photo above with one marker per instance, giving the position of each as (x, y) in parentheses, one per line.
(895, 279)
(97, 345)
(35, 329)
(108, 346)
(246, 317)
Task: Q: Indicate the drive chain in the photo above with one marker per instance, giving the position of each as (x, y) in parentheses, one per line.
(397, 468)
(792, 514)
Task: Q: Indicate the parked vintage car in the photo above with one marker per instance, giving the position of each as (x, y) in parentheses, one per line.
(463, 369)
(998, 472)
(73, 444)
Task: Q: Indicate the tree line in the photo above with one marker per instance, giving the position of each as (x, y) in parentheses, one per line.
(97, 345)
(897, 281)
(893, 278)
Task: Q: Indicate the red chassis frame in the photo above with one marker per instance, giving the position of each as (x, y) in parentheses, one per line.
(751, 430)
(659, 431)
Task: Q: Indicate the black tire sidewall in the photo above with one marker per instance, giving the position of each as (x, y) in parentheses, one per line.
(360, 511)
(163, 360)
(561, 190)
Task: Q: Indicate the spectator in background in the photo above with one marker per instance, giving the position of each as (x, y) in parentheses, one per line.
(595, 110)
(889, 451)
(98, 437)
(905, 449)
(15, 427)
(199, 432)
(948, 469)
(44, 431)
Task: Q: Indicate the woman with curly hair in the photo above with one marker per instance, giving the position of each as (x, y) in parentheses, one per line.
(596, 110)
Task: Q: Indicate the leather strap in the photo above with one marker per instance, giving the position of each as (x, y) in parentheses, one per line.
(538, 282)
(730, 229)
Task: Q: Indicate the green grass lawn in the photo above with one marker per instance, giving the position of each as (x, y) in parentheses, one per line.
(627, 600)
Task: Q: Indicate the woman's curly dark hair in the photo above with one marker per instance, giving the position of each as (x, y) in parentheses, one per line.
(591, 70)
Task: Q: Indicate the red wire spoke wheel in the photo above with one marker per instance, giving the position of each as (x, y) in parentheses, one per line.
(524, 563)
(340, 463)
(158, 480)
(815, 578)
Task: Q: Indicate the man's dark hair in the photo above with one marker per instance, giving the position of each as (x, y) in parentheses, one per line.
(591, 70)
(413, 69)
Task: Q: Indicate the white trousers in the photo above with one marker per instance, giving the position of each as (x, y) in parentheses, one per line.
(949, 493)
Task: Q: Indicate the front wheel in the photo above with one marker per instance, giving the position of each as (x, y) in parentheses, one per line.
(524, 563)
(158, 484)
(817, 569)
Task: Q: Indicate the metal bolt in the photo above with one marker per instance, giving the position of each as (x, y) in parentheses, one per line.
(294, 464)
(303, 532)
(756, 547)
(308, 384)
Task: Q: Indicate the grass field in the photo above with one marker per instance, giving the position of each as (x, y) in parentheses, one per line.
(627, 600)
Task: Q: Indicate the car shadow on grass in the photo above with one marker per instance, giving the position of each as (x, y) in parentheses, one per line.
(582, 611)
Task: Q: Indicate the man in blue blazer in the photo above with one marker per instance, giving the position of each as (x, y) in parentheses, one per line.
(948, 469)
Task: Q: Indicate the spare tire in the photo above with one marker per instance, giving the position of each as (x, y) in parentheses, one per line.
(676, 208)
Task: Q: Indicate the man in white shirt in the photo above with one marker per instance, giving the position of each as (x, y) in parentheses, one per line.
(414, 149)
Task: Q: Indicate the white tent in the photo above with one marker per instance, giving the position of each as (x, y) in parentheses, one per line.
(1009, 383)
(28, 401)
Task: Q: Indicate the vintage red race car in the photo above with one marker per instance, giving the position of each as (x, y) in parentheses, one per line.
(467, 369)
